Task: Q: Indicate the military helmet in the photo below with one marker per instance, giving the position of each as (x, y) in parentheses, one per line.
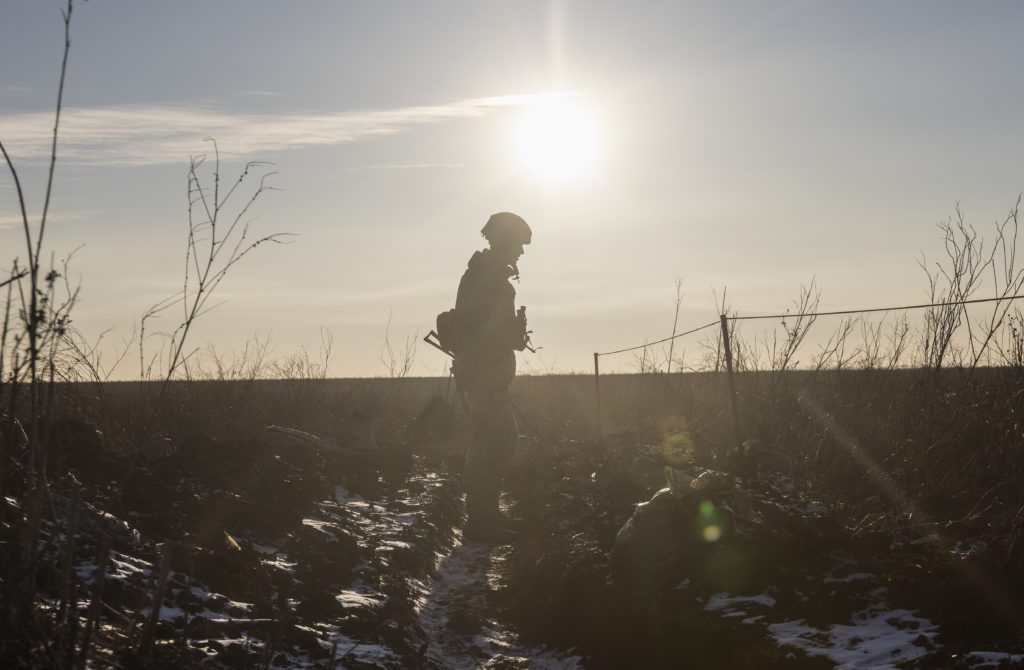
(507, 227)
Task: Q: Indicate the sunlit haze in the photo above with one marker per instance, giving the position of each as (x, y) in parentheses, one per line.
(558, 140)
(746, 146)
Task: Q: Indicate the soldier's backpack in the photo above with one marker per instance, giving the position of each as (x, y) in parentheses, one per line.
(448, 331)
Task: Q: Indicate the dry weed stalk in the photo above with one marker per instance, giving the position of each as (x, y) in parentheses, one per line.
(1007, 281)
(40, 322)
(1011, 345)
(834, 351)
(782, 355)
(302, 365)
(675, 325)
(897, 340)
(216, 242)
(951, 283)
(398, 363)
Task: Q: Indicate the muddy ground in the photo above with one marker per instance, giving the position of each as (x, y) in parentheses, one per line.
(286, 554)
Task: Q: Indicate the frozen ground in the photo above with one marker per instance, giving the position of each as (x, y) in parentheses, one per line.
(365, 565)
(461, 626)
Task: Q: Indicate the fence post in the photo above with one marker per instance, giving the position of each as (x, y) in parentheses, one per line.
(597, 393)
(732, 383)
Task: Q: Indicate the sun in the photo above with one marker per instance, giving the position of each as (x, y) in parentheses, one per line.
(558, 140)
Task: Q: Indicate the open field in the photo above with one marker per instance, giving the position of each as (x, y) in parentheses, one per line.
(877, 523)
(766, 506)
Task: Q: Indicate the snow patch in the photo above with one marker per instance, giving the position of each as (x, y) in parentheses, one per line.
(360, 597)
(721, 601)
(875, 639)
(991, 659)
(281, 562)
(264, 548)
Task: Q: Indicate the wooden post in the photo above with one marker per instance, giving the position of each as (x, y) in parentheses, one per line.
(597, 393)
(738, 430)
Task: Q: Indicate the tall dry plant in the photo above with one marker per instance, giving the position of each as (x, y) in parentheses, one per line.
(397, 362)
(951, 283)
(216, 240)
(834, 354)
(1007, 281)
(29, 342)
(796, 326)
(675, 325)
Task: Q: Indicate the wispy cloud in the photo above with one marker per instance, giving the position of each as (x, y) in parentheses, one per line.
(149, 135)
(407, 166)
(261, 94)
(8, 221)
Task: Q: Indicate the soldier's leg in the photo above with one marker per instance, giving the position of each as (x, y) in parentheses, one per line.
(505, 436)
(491, 450)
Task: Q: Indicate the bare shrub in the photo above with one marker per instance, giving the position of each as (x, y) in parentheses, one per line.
(647, 360)
(216, 241)
(782, 354)
(247, 365)
(897, 340)
(1011, 343)
(833, 353)
(397, 362)
(949, 284)
(301, 365)
(1007, 281)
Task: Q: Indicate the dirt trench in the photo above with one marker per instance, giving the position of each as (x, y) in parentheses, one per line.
(283, 556)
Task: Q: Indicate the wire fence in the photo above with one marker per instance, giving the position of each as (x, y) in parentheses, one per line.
(798, 315)
(724, 320)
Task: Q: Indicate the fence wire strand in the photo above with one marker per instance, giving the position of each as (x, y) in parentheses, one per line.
(651, 344)
(807, 314)
(875, 309)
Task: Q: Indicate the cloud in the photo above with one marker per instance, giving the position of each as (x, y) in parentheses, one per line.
(152, 135)
(13, 220)
(9, 221)
(407, 166)
(261, 94)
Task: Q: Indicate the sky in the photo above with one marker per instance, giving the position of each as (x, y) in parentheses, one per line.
(740, 146)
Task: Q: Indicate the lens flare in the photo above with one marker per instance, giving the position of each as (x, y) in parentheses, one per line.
(676, 442)
(711, 521)
(712, 533)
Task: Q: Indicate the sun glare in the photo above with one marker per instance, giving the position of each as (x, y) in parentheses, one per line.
(558, 140)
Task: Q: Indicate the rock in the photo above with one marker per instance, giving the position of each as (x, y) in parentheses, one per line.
(665, 534)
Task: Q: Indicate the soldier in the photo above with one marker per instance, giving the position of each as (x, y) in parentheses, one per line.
(490, 331)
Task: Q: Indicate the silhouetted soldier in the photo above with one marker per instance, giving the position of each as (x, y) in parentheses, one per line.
(490, 332)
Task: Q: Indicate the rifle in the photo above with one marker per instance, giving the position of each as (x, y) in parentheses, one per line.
(435, 342)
